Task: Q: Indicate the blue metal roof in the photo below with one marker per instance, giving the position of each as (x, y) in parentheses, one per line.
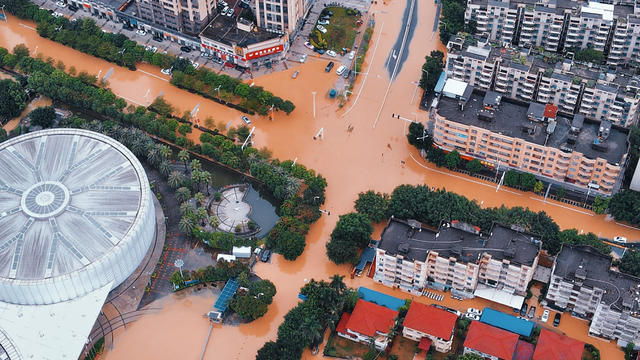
(227, 293)
(440, 84)
(366, 257)
(379, 298)
(507, 322)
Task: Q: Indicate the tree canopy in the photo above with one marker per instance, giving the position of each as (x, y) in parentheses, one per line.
(13, 98)
(352, 232)
(373, 204)
(43, 116)
(431, 70)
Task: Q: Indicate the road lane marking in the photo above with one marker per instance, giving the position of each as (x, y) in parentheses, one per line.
(562, 206)
(461, 177)
(28, 27)
(627, 226)
(154, 75)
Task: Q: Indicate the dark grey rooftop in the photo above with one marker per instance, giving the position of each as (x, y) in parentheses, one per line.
(619, 289)
(224, 29)
(510, 118)
(412, 240)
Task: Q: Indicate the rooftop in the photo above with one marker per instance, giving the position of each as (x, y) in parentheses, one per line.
(412, 240)
(507, 322)
(224, 29)
(586, 262)
(430, 320)
(368, 318)
(511, 117)
(491, 340)
(524, 350)
(379, 298)
(554, 346)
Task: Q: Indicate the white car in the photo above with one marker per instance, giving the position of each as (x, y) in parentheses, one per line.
(545, 316)
(230, 12)
(223, 3)
(474, 311)
(341, 70)
(61, 4)
(352, 55)
(620, 239)
(303, 58)
(308, 45)
(154, 49)
(166, 71)
(141, 32)
(246, 120)
(471, 316)
(195, 65)
(321, 29)
(57, 14)
(323, 22)
(148, 48)
(331, 53)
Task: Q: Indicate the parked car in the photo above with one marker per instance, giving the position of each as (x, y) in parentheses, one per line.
(230, 12)
(620, 239)
(295, 74)
(154, 49)
(341, 70)
(195, 65)
(532, 312)
(523, 310)
(329, 66)
(472, 316)
(352, 55)
(331, 53)
(266, 255)
(167, 71)
(474, 311)
(556, 319)
(545, 316)
(72, 8)
(223, 3)
(303, 58)
(323, 22)
(141, 32)
(319, 51)
(246, 120)
(185, 48)
(146, 48)
(321, 29)
(243, 5)
(308, 45)
(61, 4)
(57, 14)
(346, 74)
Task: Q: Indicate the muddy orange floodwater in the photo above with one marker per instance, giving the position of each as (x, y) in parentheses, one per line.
(369, 156)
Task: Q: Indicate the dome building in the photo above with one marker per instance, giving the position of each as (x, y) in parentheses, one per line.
(76, 219)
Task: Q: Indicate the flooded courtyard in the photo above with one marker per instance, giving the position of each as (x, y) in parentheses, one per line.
(369, 156)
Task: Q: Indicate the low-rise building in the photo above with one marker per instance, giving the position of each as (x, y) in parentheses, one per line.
(459, 258)
(490, 342)
(427, 321)
(367, 321)
(554, 346)
(589, 160)
(240, 43)
(583, 283)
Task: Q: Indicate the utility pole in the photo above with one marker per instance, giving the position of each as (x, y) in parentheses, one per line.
(314, 104)
(4, 15)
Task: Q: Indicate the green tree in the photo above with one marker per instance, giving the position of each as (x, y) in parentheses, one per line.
(629, 352)
(175, 180)
(183, 156)
(183, 194)
(431, 70)
(20, 51)
(352, 232)
(418, 137)
(625, 206)
(538, 186)
(589, 55)
(187, 224)
(630, 263)
(373, 204)
(470, 356)
(248, 307)
(452, 159)
(264, 290)
(474, 166)
(291, 245)
(600, 204)
(161, 106)
(43, 116)
(184, 129)
(13, 99)
(512, 178)
(527, 181)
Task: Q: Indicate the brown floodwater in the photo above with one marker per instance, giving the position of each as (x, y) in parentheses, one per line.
(366, 157)
(35, 103)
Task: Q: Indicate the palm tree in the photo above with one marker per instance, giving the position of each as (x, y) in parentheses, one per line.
(311, 330)
(201, 214)
(183, 194)
(165, 152)
(214, 222)
(199, 198)
(337, 283)
(175, 179)
(206, 178)
(195, 179)
(195, 165)
(185, 209)
(164, 168)
(153, 156)
(183, 156)
(187, 225)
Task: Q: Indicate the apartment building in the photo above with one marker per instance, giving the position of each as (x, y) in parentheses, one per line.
(524, 74)
(583, 282)
(281, 16)
(561, 25)
(457, 257)
(587, 158)
(188, 16)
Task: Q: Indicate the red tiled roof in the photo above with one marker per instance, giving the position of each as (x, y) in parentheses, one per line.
(524, 350)
(550, 111)
(554, 346)
(424, 344)
(491, 340)
(342, 324)
(367, 318)
(430, 320)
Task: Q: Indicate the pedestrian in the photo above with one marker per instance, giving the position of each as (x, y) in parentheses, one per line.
(382, 155)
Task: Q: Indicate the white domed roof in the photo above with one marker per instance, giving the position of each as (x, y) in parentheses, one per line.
(75, 213)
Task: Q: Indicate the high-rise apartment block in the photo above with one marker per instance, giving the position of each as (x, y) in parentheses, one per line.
(282, 16)
(188, 16)
(562, 25)
(527, 75)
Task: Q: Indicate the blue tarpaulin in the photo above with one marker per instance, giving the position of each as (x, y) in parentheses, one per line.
(440, 84)
(379, 298)
(507, 322)
(366, 257)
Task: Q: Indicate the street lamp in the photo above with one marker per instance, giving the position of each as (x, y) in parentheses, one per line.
(179, 263)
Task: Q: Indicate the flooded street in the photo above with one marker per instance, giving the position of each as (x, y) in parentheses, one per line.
(368, 157)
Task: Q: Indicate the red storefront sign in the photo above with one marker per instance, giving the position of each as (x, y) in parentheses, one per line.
(88, 6)
(264, 52)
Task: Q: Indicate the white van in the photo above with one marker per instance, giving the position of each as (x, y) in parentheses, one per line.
(341, 70)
